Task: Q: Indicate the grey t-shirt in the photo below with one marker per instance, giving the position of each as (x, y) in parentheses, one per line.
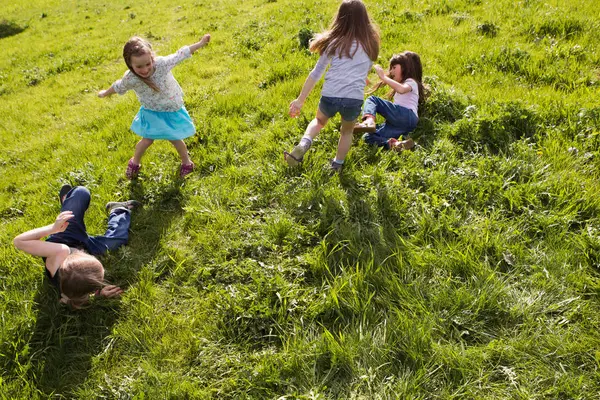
(346, 77)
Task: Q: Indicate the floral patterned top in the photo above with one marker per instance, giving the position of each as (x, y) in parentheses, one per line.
(170, 96)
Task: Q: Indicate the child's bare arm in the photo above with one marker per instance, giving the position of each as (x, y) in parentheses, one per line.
(30, 241)
(397, 86)
(203, 42)
(55, 253)
(107, 92)
(296, 105)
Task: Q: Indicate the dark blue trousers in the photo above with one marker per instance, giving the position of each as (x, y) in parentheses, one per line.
(117, 233)
(398, 121)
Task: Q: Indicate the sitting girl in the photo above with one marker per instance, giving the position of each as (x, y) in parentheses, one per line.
(401, 115)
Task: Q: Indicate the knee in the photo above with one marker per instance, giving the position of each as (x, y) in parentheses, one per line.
(371, 99)
(81, 193)
(320, 122)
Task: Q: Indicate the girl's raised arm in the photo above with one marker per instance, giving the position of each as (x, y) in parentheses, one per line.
(397, 86)
(203, 42)
(30, 242)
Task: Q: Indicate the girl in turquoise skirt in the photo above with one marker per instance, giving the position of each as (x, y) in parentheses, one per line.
(162, 114)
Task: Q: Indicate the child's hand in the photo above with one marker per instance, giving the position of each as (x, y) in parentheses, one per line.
(110, 291)
(295, 107)
(205, 39)
(62, 221)
(380, 71)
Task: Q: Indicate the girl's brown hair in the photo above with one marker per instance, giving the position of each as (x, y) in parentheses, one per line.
(352, 23)
(411, 66)
(80, 274)
(136, 46)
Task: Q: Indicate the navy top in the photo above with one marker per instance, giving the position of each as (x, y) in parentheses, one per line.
(54, 280)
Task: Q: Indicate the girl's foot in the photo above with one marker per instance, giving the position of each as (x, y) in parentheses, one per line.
(129, 204)
(64, 190)
(367, 126)
(132, 170)
(335, 167)
(185, 169)
(401, 145)
(296, 156)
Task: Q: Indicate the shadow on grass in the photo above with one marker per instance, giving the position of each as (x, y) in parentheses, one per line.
(8, 28)
(162, 203)
(64, 342)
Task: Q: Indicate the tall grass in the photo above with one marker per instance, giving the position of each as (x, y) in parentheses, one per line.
(465, 269)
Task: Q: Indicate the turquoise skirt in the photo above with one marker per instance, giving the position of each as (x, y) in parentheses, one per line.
(169, 125)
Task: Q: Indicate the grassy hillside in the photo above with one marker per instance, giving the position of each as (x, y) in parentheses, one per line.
(468, 268)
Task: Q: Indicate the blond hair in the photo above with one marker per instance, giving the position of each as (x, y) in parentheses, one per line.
(80, 274)
(136, 46)
(352, 23)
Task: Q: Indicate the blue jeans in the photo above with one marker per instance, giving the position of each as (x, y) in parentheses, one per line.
(398, 121)
(349, 109)
(117, 233)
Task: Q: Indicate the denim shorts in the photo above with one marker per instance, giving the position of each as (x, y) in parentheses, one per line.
(349, 109)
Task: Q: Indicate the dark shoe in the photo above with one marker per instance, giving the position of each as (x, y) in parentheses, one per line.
(64, 190)
(335, 167)
(128, 205)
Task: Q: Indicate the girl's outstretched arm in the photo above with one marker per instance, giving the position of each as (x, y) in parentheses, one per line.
(107, 92)
(314, 76)
(296, 105)
(397, 86)
(203, 42)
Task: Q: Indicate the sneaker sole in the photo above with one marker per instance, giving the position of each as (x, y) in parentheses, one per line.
(364, 129)
(64, 190)
(129, 204)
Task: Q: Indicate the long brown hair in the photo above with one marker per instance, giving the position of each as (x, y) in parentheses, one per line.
(136, 46)
(80, 274)
(352, 23)
(411, 66)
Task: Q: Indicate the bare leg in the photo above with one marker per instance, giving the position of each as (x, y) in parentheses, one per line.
(182, 150)
(312, 130)
(315, 126)
(345, 141)
(140, 149)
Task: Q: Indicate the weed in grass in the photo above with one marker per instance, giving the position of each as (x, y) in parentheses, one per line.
(305, 34)
(488, 29)
(562, 27)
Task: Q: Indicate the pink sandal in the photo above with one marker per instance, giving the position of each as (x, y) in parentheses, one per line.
(132, 170)
(185, 169)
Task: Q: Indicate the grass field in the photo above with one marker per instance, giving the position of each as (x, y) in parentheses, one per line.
(467, 269)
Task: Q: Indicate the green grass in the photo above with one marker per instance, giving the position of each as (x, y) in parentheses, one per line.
(468, 268)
